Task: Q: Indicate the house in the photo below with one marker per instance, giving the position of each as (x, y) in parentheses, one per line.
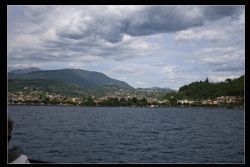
(99, 100)
(75, 99)
(163, 101)
(230, 99)
(204, 102)
(151, 100)
(207, 102)
(220, 100)
(215, 102)
(29, 98)
(50, 97)
(185, 101)
(210, 102)
(226, 99)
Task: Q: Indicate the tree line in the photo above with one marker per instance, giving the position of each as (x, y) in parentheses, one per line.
(209, 90)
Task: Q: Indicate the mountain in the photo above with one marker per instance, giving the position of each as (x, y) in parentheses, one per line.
(25, 70)
(155, 89)
(84, 78)
(44, 85)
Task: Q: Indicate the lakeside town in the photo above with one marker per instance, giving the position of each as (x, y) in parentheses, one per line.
(34, 98)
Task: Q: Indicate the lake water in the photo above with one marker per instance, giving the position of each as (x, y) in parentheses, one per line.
(129, 135)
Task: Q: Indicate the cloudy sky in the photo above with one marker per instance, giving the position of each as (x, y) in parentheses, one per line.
(145, 46)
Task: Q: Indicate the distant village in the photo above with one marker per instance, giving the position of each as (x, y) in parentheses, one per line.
(22, 98)
(57, 99)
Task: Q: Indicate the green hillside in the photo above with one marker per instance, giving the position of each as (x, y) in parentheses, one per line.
(208, 90)
(86, 79)
(43, 85)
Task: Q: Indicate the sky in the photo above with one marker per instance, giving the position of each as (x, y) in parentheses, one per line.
(145, 46)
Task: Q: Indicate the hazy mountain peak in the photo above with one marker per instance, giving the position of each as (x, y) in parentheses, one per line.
(25, 70)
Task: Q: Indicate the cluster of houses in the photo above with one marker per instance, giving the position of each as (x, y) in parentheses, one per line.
(223, 100)
(185, 101)
(21, 98)
(218, 100)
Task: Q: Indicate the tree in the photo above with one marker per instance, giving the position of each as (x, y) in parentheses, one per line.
(172, 101)
(90, 102)
(188, 93)
(209, 90)
(207, 80)
(123, 101)
(134, 100)
(83, 99)
(144, 100)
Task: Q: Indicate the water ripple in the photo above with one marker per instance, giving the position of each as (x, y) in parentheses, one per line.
(126, 135)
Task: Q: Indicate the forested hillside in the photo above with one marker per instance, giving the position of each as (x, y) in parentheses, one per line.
(204, 89)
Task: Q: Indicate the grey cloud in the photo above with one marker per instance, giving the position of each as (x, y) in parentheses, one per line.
(36, 17)
(159, 19)
(222, 59)
(37, 14)
(234, 67)
(149, 20)
(68, 50)
(216, 12)
(71, 35)
(91, 37)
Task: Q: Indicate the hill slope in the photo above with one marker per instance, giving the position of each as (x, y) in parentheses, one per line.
(86, 79)
(25, 70)
(43, 85)
(205, 89)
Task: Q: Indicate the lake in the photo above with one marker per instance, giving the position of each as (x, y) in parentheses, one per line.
(129, 135)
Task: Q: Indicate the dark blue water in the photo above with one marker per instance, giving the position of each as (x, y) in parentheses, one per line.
(129, 135)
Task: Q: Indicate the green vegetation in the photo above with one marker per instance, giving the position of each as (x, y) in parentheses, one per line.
(84, 78)
(208, 90)
(40, 86)
(229, 94)
(123, 102)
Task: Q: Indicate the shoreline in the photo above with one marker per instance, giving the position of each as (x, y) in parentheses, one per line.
(241, 107)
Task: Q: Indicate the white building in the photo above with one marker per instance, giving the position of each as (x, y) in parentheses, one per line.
(185, 101)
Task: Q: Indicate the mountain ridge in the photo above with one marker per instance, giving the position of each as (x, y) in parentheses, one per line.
(86, 79)
(25, 70)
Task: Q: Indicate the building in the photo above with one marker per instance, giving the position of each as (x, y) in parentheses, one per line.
(185, 101)
(162, 102)
(99, 100)
(151, 100)
(220, 100)
(210, 102)
(50, 97)
(230, 99)
(226, 99)
(76, 100)
(215, 102)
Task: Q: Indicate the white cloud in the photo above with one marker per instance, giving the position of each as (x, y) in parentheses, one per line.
(123, 78)
(221, 78)
(140, 84)
(221, 58)
(171, 72)
(123, 70)
(198, 34)
(132, 70)
(220, 32)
